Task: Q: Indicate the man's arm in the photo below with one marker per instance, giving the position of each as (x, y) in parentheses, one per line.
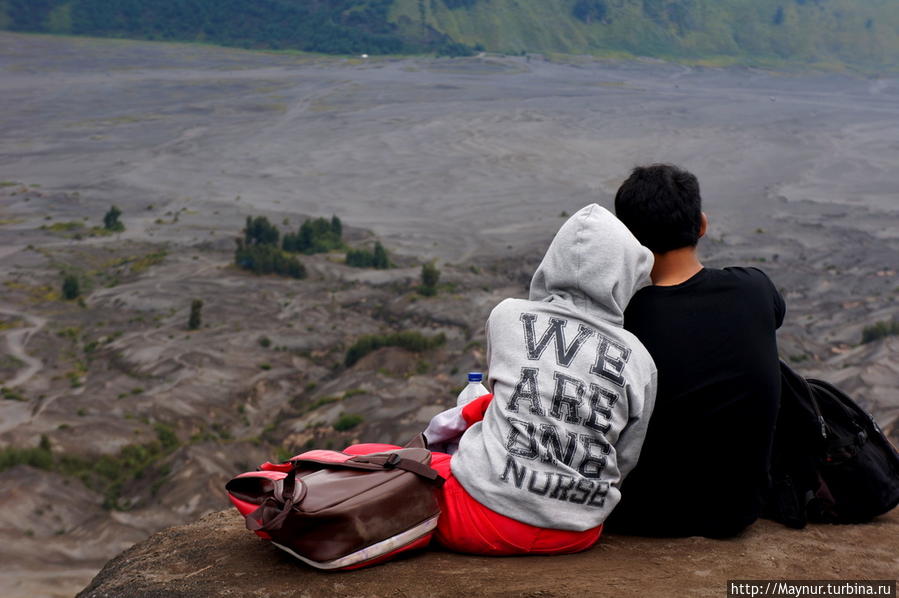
(778, 303)
(780, 306)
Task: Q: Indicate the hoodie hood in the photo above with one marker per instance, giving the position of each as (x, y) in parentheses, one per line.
(595, 263)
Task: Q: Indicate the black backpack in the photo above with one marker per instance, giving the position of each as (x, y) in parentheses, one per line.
(830, 461)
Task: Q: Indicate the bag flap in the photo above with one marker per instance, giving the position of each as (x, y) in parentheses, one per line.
(331, 487)
(321, 456)
(254, 486)
(414, 460)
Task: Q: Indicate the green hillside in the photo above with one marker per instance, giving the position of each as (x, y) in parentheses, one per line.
(327, 26)
(858, 33)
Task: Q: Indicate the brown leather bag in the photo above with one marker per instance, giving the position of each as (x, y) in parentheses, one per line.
(338, 511)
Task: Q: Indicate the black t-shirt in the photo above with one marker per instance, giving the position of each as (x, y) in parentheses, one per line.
(703, 469)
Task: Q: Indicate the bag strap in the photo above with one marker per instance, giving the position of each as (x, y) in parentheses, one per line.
(810, 394)
(279, 500)
(375, 462)
(816, 407)
(394, 461)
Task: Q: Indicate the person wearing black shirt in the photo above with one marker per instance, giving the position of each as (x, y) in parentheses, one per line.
(704, 465)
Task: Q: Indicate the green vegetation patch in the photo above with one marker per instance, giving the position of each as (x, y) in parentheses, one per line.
(39, 293)
(6, 324)
(40, 457)
(71, 287)
(259, 250)
(319, 403)
(315, 236)
(268, 259)
(139, 264)
(363, 258)
(108, 474)
(880, 330)
(347, 421)
(64, 227)
(430, 275)
(134, 264)
(11, 394)
(111, 220)
(94, 231)
(408, 339)
(814, 33)
(332, 27)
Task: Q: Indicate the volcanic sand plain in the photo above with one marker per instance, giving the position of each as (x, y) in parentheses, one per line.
(469, 162)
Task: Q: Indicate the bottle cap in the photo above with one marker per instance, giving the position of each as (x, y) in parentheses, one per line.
(475, 376)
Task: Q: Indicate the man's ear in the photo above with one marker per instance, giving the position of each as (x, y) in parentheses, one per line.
(703, 225)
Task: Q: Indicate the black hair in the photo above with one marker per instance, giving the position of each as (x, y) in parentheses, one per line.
(661, 206)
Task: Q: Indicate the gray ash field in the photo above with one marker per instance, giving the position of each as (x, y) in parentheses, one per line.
(469, 162)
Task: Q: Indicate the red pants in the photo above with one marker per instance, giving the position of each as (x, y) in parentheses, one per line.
(466, 525)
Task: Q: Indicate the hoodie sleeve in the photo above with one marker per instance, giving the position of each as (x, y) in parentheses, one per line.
(630, 442)
(448, 426)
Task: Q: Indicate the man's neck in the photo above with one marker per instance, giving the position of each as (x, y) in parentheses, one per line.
(675, 266)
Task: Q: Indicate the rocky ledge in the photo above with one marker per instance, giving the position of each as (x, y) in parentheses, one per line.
(217, 556)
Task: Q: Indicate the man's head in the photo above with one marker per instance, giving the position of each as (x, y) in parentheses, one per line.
(661, 206)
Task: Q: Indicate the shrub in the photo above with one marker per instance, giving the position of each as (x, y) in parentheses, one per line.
(108, 474)
(11, 395)
(71, 288)
(196, 319)
(167, 437)
(362, 258)
(40, 457)
(259, 231)
(315, 236)
(880, 330)
(454, 49)
(429, 277)
(409, 340)
(267, 259)
(359, 258)
(111, 220)
(381, 259)
(589, 11)
(347, 421)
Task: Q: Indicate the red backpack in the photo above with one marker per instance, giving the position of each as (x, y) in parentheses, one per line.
(337, 511)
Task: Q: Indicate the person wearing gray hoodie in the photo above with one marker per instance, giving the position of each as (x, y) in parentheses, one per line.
(541, 462)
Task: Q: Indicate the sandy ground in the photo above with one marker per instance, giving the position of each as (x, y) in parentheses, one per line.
(470, 162)
(443, 158)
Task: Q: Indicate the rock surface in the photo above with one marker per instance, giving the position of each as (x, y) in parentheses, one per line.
(217, 556)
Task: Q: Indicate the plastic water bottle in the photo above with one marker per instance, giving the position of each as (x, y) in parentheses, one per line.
(474, 389)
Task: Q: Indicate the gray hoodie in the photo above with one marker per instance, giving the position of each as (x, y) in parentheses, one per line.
(573, 390)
